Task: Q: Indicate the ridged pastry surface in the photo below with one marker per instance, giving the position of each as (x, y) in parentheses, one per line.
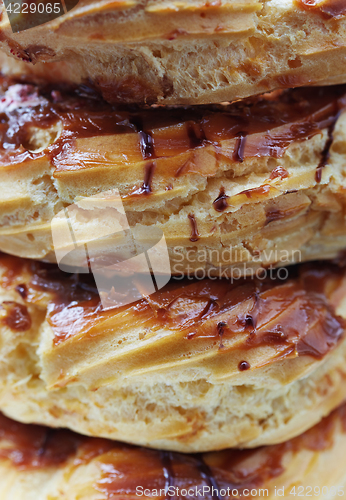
(37, 462)
(233, 188)
(191, 52)
(196, 366)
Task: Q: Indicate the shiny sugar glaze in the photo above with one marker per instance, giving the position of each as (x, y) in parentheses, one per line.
(294, 316)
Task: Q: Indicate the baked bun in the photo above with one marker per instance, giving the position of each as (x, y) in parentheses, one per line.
(196, 366)
(44, 464)
(234, 189)
(190, 52)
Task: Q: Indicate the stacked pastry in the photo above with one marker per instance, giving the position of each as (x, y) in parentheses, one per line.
(207, 140)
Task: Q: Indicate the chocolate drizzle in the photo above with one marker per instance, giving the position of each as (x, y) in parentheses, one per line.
(326, 9)
(147, 145)
(31, 447)
(220, 203)
(181, 169)
(233, 469)
(243, 365)
(22, 290)
(166, 458)
(146, 189)
(148, 177)
(194, 231)
(326, 150)
(123, 467)
(208, 477)
(238, 154)
(41, 452)
(148, 153)
(220, 331)
(318, 174)
(272, 215)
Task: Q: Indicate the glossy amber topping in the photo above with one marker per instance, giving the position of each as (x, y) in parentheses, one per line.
(295, 316)
(40, 122)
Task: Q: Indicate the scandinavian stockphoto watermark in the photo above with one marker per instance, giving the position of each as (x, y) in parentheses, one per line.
(26, 14)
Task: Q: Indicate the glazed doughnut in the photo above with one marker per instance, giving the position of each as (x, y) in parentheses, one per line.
(186, 52)
(198, 365)
(44, 464)
(233, 188)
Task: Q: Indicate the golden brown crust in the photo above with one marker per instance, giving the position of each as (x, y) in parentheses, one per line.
(59, 464)
(197, 366)
(229, 196)
(191, 52)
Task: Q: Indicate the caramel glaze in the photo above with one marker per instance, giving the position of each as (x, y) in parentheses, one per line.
(196, 135)
(220, 329)
(301, 113)
(147, 145)
(124, 467)
(220, 203)
(145, 139)
(328, 9)
(234, 469)
(293, 316)
(326, 150)
(22, 290)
